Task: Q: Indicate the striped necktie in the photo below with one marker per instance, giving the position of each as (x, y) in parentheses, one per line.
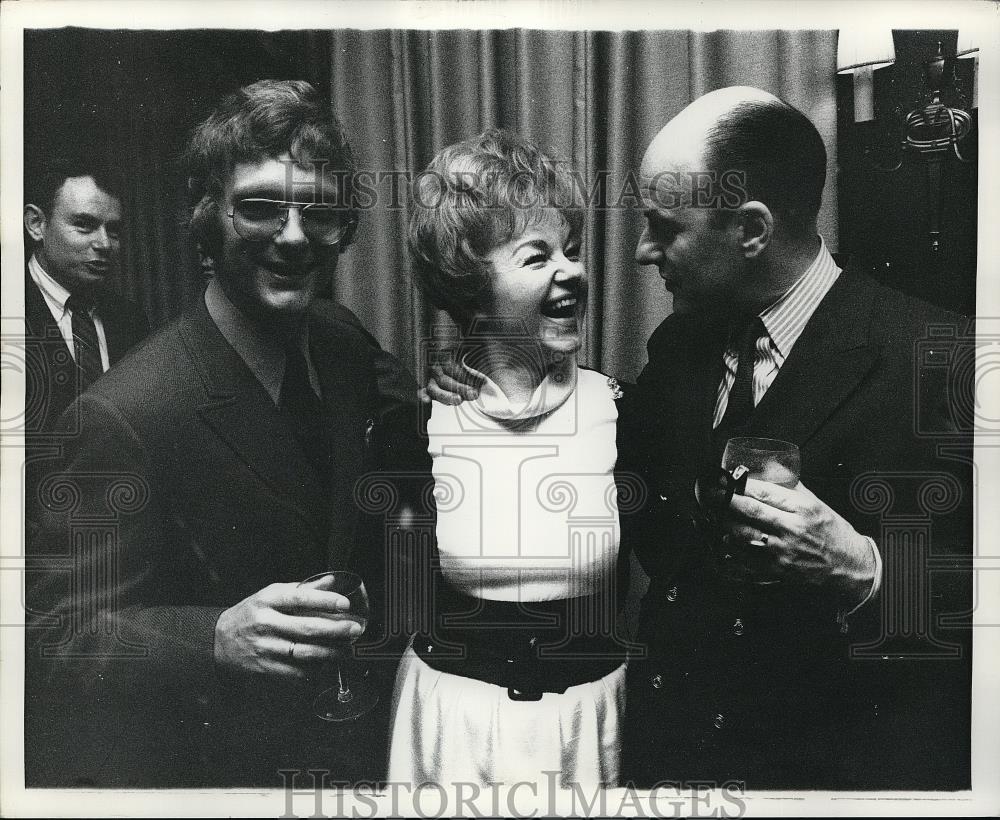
(87, 347)
(740, 406)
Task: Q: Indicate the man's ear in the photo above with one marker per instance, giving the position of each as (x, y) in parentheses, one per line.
(756, 228)
(205, 224)
(34, 222)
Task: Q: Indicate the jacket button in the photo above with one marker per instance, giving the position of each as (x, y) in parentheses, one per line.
(672, 594)
(719, 721)
(738, 627)
(657, 681)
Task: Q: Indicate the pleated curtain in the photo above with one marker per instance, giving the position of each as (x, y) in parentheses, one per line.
(593, 99)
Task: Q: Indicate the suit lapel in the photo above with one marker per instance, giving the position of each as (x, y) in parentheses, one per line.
(242, 415)
(36, 312)
(829, 360)
(698, 361)
(60, 379)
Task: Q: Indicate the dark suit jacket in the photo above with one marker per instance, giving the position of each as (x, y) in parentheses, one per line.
(53, 380)
(184, 466)
(760, 683)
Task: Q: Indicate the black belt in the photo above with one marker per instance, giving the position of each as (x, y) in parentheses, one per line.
(528, 649)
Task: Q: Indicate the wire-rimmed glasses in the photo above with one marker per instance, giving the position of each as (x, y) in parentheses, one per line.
(260, 220)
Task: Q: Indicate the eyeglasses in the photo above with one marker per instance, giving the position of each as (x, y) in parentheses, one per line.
(259, 220)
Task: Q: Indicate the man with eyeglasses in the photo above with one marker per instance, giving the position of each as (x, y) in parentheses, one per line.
(228, 449)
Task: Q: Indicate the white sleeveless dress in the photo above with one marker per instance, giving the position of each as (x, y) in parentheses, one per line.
(527, 512)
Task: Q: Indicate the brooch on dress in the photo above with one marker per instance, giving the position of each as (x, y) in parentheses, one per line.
(616, 390)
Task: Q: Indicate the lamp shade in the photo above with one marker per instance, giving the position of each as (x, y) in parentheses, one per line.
(968, 48)
(968, 42)
(861, 48)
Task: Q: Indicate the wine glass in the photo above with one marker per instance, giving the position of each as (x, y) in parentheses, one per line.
(346, 701)
(766, 459)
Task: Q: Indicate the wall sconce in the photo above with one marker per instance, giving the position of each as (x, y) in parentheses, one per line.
(922, 110)
(859, 53)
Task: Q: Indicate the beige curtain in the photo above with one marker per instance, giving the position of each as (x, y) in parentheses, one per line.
(594, 99)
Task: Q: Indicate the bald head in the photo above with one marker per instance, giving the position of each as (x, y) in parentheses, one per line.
(681, 142)
(741, 144)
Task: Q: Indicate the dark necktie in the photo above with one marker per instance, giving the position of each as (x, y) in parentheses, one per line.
(740, 406)
(303, 410)
(86, 346)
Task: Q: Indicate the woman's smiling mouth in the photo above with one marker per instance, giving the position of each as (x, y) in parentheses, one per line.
(562, 308)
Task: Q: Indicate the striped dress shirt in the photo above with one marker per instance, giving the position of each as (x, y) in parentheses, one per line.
(784, 321)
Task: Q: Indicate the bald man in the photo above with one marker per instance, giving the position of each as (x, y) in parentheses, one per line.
(768, 630)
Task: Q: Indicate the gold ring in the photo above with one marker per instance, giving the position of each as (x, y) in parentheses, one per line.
(759, 542)
(291, 650)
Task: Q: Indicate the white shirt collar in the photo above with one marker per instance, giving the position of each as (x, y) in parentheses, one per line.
(787, 317)
(55, 295)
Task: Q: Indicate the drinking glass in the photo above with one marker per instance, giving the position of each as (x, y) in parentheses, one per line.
(345, 701)
(766, 459)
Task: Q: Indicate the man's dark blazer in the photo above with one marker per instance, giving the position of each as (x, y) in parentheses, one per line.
(183, 462)
(757, 683)
(53, 380)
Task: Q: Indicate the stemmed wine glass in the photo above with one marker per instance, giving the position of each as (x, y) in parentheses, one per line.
(345, 701)
(766, 459)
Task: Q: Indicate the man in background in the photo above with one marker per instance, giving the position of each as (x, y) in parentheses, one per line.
(76, 324)
(73, 220)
